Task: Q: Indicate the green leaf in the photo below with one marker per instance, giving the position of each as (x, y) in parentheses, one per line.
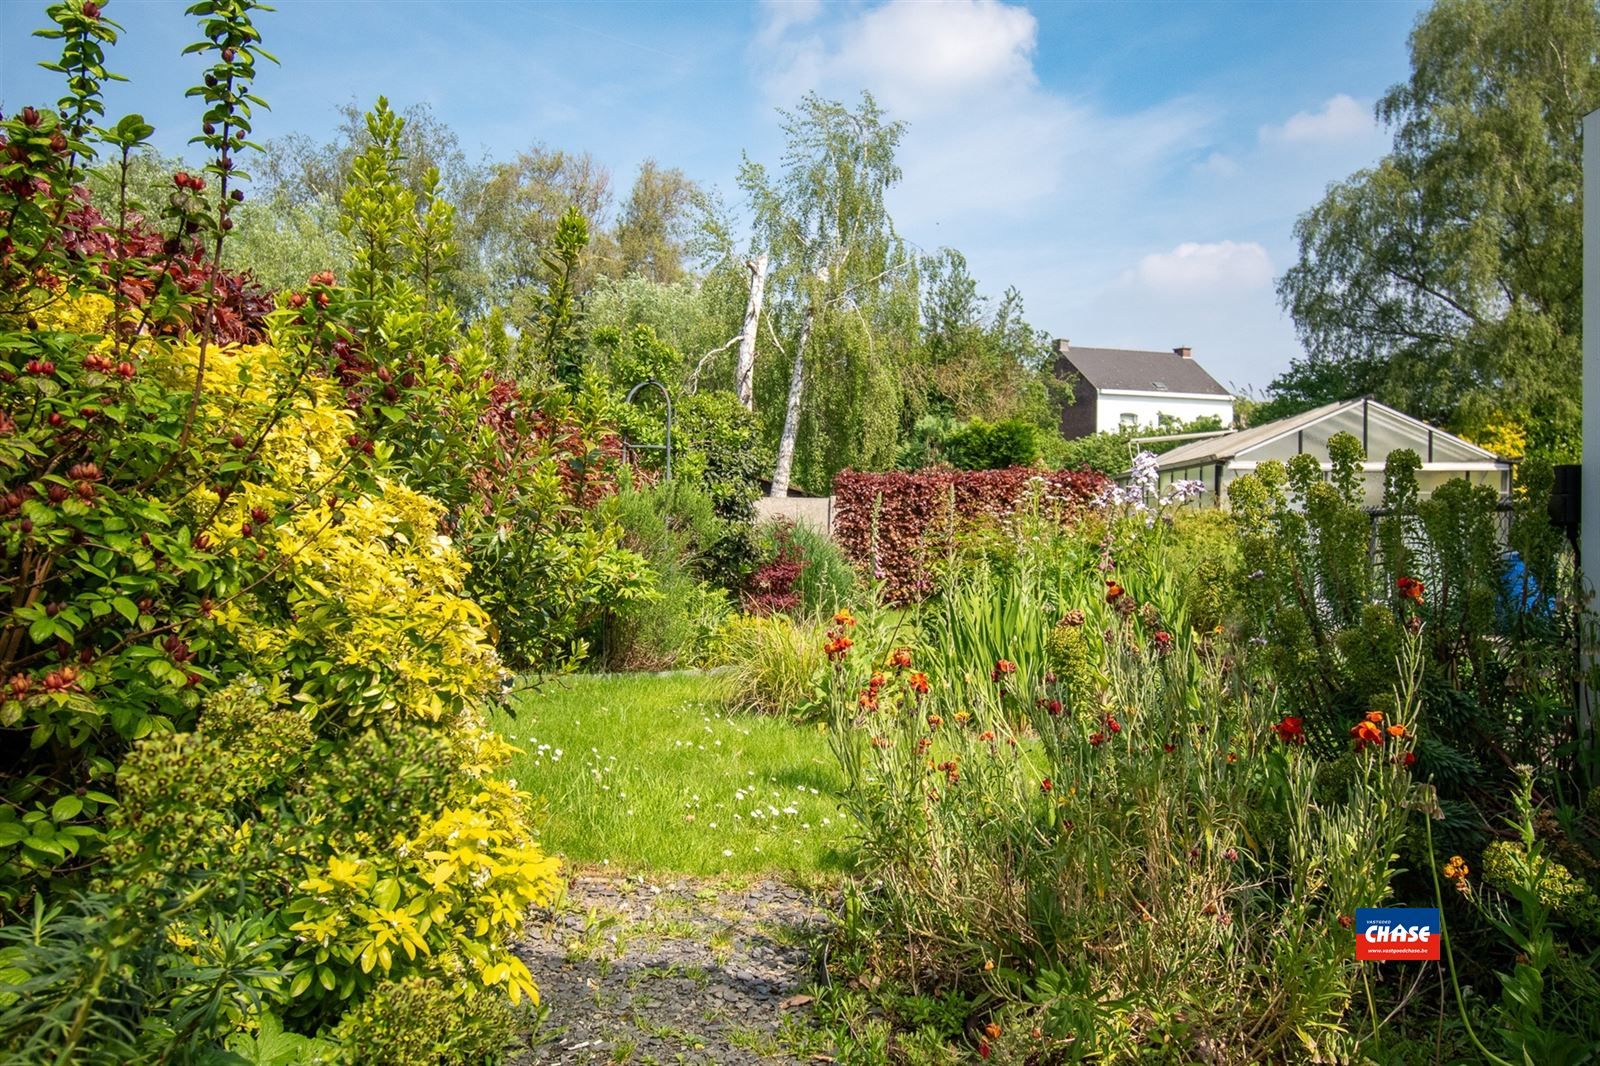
(46, 846)
(66, 808)
(126, 608)
(386, 893)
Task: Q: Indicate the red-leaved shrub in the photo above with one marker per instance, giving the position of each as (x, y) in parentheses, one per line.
(897, 523)
(773, 585)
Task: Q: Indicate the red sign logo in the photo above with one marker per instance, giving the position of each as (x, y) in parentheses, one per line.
(1396, 933)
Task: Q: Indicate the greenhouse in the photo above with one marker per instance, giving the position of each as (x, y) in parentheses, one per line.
(1217, 460)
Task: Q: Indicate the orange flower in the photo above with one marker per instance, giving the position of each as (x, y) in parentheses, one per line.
(875, 682)
(1456, 868)
(934, 721)
(881, 742)
(868, 700)
(1114, 591)
(1367, 734)
(844, 617)
(1375, 717)
(1002, 668)
(918, 682)
(1410, 588)
(987, 734)
(1046, 785)
(900, 658)
(1397, 731)
(838, 646)
(992, 1031)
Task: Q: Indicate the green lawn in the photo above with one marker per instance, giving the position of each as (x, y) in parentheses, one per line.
(648, 772)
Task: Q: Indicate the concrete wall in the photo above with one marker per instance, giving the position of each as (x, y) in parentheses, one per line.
(1112, 405)
(813, 511)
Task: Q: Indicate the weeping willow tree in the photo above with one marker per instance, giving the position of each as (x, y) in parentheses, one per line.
(842, 293)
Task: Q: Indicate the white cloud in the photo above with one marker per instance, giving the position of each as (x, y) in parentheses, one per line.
(1193, 266)
(1341, 118)
(1218, 164)
(780, 15)
(917, 55)
(984, 138)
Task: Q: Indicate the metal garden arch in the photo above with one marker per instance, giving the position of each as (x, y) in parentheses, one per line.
(628, 447)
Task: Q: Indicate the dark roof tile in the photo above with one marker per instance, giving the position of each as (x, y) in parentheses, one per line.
(1127, 368)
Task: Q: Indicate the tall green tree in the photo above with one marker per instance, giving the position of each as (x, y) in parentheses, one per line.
(982, 358)
(841, 292)
(523, 207)
(1447, 279)
(657, 223)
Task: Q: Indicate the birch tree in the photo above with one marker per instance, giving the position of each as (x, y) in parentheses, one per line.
(842, 295)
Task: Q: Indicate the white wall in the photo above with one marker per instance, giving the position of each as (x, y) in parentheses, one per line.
(1149, 408)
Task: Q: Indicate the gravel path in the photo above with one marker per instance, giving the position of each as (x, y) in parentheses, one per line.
(675, 971)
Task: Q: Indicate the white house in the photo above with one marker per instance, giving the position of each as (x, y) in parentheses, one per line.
(1123, 387)
(1216, 461)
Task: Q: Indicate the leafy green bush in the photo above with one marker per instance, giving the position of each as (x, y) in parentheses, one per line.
(674, 526)
(1204, 557)
(1112, 453)
(1329, 619)
(981, 445)
(524, 470)
(420, 1021)
(717, 446)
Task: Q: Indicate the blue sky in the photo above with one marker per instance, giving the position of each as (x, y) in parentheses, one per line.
(1135, 168)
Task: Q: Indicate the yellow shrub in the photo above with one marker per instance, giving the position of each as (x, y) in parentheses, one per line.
(370, 584)
(448, 897)
(389, 849)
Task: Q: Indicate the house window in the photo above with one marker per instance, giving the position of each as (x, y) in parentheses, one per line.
(1129, 420)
